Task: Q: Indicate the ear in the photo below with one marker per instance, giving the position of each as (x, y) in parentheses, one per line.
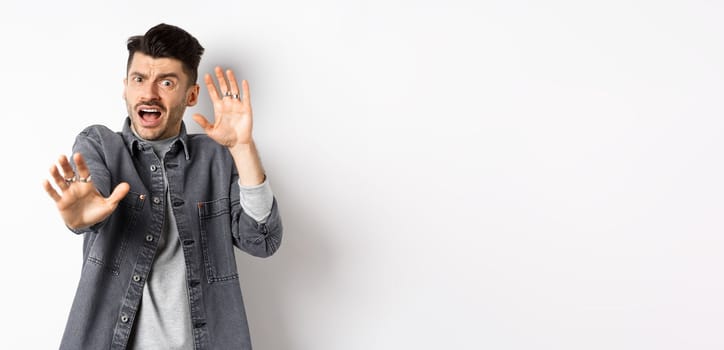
(192, 96)
(125, 84)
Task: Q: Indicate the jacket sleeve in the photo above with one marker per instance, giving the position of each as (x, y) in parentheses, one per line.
(261, 239)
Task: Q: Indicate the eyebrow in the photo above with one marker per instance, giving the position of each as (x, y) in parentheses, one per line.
(160, 76)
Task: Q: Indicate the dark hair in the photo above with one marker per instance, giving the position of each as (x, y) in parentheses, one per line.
(167, 41)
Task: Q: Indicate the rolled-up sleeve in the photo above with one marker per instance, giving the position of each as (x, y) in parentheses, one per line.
(261, 239)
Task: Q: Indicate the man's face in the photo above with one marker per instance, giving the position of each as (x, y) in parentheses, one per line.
(157, 92)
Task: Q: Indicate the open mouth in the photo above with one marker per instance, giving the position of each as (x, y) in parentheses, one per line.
(149, 116)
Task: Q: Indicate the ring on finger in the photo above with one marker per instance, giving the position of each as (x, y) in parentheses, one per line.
(236, 96)
(69, 180)
(83, 179)
(228, 93)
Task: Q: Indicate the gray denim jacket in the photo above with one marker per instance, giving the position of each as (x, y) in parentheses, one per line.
(118, 252)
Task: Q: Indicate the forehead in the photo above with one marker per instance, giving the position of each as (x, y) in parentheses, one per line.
(152, 66)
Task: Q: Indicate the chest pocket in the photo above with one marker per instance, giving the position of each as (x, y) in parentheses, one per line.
(216, 240)
(108, 247)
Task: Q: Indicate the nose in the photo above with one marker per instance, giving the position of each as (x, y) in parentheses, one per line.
(149, 91)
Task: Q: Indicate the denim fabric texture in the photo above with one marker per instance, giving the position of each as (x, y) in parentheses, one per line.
(118, 253)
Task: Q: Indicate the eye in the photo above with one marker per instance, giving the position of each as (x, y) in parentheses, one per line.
(137, 79)
(167, 83)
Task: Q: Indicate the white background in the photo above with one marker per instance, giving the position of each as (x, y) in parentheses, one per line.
(451, 175)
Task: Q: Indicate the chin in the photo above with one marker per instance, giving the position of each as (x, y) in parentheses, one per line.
(146, 134)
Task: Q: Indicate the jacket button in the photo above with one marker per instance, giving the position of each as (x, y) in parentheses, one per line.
(153, 167)
(156, 200)
(149, 238)
(136, 278)
(124, 318)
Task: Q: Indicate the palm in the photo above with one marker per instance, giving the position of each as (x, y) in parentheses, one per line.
(232, 116)
(79, 203)
(82, 204)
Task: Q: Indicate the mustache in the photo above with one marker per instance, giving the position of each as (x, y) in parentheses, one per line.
(150, 103)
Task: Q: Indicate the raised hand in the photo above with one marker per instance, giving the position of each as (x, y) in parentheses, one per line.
(78, 201)
(232, 110)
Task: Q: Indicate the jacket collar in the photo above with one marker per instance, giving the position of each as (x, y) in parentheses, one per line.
(136, 144)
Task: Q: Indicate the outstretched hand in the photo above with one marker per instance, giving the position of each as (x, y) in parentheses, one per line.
(232, 110)
(78, 201)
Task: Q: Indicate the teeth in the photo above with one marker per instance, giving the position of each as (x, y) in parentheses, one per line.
(150, 110)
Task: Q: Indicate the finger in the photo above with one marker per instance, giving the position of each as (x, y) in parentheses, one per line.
(51, 191)
(246, 98)
(58, 178)
(232, 82)
(222, 81)
(213, 93)
(80, 166)
(202, 121)
(65, 167)
(118, 193)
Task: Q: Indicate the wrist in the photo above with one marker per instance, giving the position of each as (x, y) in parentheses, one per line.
(242, 147)
(247, 163)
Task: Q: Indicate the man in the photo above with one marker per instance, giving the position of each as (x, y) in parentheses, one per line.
(160, 209)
